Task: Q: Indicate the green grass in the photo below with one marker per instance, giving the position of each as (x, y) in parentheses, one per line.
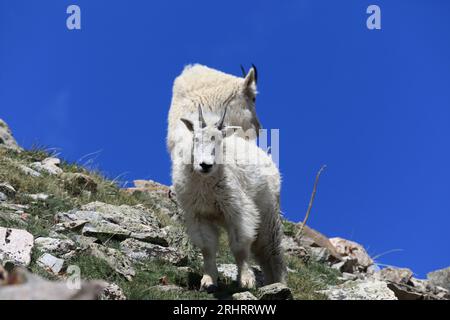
(148, 275)
(289, 228)
(308, 278)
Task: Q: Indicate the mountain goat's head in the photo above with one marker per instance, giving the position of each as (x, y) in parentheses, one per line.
(207, 141)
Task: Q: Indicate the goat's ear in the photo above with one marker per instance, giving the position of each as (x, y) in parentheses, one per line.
(250, 82)
(188, 124)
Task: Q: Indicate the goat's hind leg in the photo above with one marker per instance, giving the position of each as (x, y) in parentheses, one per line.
(240, 244)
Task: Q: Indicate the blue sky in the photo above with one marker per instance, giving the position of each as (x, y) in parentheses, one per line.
(372, 105)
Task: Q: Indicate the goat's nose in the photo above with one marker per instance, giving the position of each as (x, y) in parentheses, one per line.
(205, 166)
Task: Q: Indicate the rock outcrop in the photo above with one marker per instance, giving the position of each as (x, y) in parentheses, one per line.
(6, 138)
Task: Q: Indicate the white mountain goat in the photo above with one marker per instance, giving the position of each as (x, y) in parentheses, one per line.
(213, 89)
(229, 182)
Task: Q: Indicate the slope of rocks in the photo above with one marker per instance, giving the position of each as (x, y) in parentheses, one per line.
(68, 233)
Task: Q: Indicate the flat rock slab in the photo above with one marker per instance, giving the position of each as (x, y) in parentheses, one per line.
(368, 289)
(141, 251)
(118, 222)
(51, 263)
(16, 246)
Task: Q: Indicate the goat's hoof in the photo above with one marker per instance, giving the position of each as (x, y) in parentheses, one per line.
(209, 289)
(247, 281)
(208, 284)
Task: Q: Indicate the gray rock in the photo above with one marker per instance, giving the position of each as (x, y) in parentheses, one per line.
(291, 247)
(75, 225)
(185, 269)
(84, 242)
(396, 275)
(427, 290)
(28, 171)
(48, 165)
(347, 248)
(168, 288)
(440, 278)
(419, 284)
(246, 295)
(229, 273)
(114, 258)
(320, 254)
(368, 289)
(7, 190)
(38, 196)
(119, 222)
(7, 140)
(176, 236)
(142, 251)
(112, 292)
(16, 246)
(14, 207)
(57, 247)
(275, 291)
(105, 230)
(374, 268)
(3, 197)
(51, 263)
(31, 287)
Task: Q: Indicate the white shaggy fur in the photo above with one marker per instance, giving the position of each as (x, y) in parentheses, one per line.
(212, 90)
(240, 194)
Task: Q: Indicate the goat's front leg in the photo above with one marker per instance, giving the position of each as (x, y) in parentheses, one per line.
(205, 235)
(241, 225)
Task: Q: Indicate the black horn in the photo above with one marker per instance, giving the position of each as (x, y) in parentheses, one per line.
(256, 73)
(244, 74)
(201, 120)
(221, 121)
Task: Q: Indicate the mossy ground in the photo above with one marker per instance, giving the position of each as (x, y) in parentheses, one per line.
(304, 280)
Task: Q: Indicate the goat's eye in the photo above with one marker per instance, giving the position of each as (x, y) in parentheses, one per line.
(213, 152)
(213, 138)
(196, 139)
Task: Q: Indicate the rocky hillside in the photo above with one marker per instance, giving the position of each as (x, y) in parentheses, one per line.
(74, 234)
